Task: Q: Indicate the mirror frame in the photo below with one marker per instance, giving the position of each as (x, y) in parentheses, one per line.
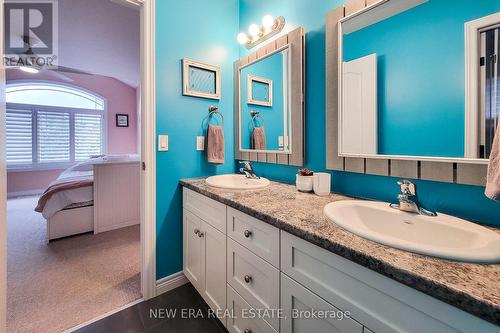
(452, 170)
(295, 40)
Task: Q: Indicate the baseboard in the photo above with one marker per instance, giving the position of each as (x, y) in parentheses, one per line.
(24, 193)
(107, 314)
(170, 282)
(116, 226)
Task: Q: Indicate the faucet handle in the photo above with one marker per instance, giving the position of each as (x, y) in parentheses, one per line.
(407, 187)
(247, 165)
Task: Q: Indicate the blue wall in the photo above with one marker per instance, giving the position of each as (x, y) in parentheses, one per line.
(204, 31)
(269, 68)
(420, 76)
(461, 200)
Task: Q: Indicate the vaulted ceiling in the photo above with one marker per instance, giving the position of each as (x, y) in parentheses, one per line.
(100, 37)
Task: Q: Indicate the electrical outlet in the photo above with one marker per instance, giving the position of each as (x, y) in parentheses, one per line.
(200, 143)
(162, 142)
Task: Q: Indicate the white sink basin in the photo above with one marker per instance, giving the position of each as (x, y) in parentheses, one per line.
(237, 182)
(441, 236)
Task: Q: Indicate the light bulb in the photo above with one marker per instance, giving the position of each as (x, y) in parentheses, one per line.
(254, 30)
(268, 21)
(31, 70)
(242, 38)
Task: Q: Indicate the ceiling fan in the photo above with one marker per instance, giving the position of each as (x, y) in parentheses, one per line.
(57, 72)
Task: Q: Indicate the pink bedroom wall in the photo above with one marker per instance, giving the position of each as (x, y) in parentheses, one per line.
(120, 97)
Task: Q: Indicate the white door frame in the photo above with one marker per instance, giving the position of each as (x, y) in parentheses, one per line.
(3, 189)
(148, 151)
(471, 32)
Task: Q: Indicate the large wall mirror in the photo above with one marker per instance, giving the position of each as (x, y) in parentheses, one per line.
(418, 80)
(264, 104)
(268, 102)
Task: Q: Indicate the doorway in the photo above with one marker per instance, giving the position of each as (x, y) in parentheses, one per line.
(145, 121)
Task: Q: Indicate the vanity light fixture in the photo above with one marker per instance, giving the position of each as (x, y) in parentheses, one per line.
(270, 27)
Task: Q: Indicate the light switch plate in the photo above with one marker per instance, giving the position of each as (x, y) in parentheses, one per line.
(162, 142)
(280, 141)
(200, 143)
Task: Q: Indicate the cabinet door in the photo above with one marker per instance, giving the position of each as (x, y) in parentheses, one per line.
(305, 312)
(214, 266)
(193, 250)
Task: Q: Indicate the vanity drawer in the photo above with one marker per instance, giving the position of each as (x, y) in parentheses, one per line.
(209, 210)
(253, 278)
(239, 323)
(259, 237)
(299, 304)
(374, 300)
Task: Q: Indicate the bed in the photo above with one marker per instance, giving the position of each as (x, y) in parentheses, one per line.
(97, 195)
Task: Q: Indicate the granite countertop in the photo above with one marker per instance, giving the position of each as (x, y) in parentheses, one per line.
(474, 288)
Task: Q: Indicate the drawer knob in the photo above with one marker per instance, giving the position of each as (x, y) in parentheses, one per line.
(248, 278)
(201, 234)
(247, 330)
(247, 233)
(196, 231)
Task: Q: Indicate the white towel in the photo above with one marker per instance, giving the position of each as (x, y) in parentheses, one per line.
(493, 182)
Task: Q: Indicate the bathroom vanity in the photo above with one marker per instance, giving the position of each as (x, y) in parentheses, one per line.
(269, 256)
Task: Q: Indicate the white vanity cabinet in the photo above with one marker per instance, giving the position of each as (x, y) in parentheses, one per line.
(240, 263)
(204, 257)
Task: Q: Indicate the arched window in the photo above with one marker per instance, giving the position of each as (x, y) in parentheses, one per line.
(51, 125)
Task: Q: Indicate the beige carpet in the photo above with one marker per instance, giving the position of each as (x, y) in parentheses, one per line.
(57, 286)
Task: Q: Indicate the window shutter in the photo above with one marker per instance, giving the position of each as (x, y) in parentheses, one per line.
(53, 136)
(88, 139)
(19, 136)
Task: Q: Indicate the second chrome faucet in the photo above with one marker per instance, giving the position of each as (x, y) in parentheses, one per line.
(408, 199)
(248, 170)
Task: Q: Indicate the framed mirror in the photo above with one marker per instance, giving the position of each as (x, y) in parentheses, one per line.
(269, 102)
(415, 81)
(200, 80)
(260, 89)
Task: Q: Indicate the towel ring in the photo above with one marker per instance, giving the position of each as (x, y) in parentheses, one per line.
(255, 115)
(213, 110)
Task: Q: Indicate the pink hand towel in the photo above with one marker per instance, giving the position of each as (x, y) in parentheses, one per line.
(259, 138)
(493, 181)
(215, 144)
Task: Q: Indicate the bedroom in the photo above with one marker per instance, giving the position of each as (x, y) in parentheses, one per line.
(73, 155)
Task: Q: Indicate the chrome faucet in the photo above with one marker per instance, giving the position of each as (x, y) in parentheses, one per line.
(408, 199)
(248, 170)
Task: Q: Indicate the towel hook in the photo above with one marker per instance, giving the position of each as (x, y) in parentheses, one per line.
(213, 110)
(255, 115)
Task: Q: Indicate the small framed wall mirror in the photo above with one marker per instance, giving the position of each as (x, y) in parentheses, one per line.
(260, 89)
(269, 108)
(200, 80)
(407, 89)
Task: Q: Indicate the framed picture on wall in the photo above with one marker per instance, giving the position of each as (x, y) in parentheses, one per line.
(259, 91)
(200, 80)
(121, 120)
